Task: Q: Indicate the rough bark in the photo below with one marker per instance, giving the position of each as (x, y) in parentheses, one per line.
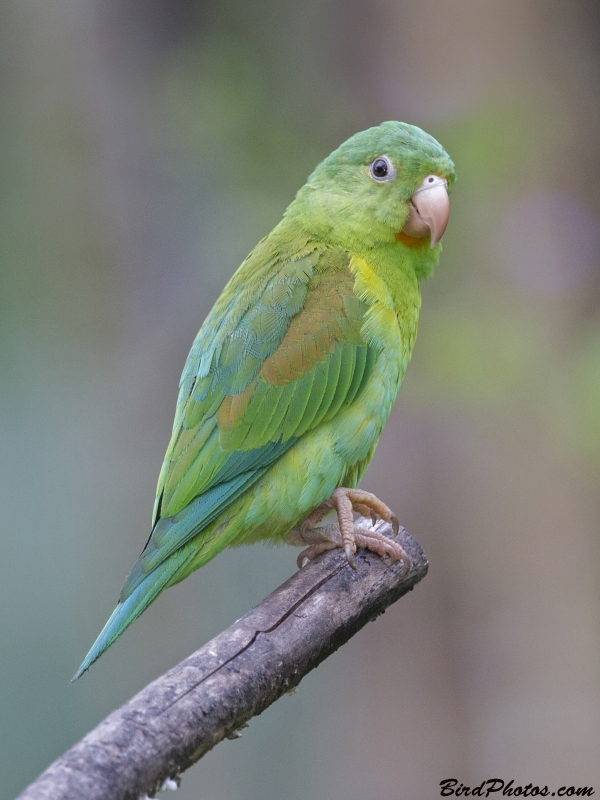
(179, 717)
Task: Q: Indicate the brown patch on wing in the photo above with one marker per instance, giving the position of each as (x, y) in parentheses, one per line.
(312, 333)
(233, 407)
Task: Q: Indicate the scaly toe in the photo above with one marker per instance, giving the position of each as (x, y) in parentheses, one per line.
(315, 550)
(382, 545)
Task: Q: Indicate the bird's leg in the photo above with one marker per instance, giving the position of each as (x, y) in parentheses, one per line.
(345, 534)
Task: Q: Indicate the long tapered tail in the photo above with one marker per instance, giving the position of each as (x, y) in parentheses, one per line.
(129, 609)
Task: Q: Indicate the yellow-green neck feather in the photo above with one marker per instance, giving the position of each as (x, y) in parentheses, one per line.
(392, 292)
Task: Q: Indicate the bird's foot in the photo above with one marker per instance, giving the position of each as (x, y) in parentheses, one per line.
(345, 534)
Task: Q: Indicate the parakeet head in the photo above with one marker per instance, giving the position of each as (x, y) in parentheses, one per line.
(383, 185)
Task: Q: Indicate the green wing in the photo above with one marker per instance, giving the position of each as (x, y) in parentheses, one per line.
(281, 352)
(293, 357)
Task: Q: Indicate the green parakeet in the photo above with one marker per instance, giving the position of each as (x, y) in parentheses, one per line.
(295, 370)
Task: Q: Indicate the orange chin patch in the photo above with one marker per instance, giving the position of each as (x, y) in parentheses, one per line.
(411, 241)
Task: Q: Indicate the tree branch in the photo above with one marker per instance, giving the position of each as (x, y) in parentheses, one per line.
(179, 717)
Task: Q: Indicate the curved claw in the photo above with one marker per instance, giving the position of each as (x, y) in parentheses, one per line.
(350, 556)
(406, 563)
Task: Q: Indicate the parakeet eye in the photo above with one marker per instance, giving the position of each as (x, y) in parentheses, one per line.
(382, 170)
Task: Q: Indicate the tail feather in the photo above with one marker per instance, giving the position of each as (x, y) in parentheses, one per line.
(129, 610)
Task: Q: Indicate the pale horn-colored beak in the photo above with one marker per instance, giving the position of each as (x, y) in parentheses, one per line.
(429, 210)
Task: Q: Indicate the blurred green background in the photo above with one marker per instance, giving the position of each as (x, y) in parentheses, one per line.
(145, 147)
